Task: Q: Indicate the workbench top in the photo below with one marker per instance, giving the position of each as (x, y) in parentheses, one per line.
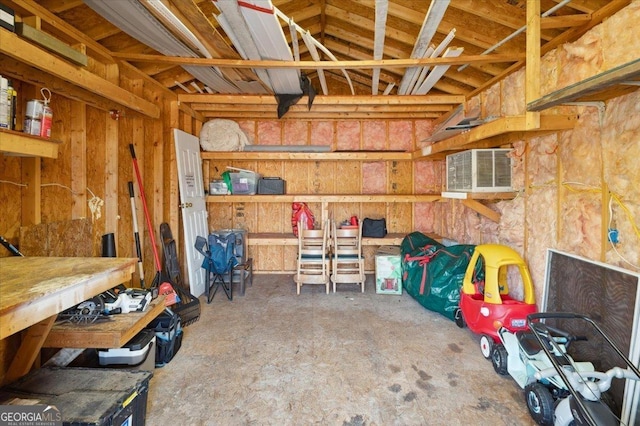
(35, 288)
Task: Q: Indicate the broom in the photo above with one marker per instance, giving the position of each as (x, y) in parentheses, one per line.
(136, 235)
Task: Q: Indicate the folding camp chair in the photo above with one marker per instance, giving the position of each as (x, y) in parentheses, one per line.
(219, 261)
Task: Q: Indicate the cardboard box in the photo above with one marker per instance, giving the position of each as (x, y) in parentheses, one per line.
(388, 270)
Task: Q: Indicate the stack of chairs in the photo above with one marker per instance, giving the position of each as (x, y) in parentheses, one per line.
(313, 257)
(347, 261)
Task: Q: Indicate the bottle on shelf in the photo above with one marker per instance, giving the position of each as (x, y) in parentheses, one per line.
(4, 106)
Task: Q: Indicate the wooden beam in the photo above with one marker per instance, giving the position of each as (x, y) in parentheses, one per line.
(78, 143)
(564, 21)
(532, 71)
(482, 209)
(308, 156)
(573, 34)
(20, 71)
(51, 43)
(383, 63)
(21, 50)
(111, 176)
(32, 342)
(62, 27)
(327, 100)
(302, 107)
(310, 115)
(31, 195)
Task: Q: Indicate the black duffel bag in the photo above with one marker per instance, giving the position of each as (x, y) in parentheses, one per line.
(376, 228)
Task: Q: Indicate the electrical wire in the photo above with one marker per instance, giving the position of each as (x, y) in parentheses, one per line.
(95, 203)
(14, 183)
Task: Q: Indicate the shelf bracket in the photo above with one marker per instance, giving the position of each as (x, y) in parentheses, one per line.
(595, 104)
(482, 209)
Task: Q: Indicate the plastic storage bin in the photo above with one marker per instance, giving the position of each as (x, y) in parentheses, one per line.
(218, 187)
(86, 396)
(139, 352)
(243, 182)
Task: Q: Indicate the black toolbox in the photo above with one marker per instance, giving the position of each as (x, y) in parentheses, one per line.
(83, 396)
(271, 186)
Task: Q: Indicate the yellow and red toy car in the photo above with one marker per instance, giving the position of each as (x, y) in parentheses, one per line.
(485, 302)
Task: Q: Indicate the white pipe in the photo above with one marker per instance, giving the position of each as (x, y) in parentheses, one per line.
(294, 39)
(182, 86)
(518, 31)
(429, 26)
(307, 38)
(318, 45)
(443, 45)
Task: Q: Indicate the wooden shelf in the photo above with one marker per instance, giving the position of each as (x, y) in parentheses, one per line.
(25, 145)
(480, 195)
(496, 133)
(606, 85)
(288, 239)
(103, 334)
(324, 198)
(309, 156)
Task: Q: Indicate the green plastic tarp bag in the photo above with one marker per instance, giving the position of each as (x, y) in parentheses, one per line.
(432, 273)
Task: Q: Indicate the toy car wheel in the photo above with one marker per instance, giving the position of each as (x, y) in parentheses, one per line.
(486, 345)
(459, 319)
(499, 359)
(540, 403)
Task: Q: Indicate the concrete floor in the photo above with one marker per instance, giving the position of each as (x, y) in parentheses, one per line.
(274, 358)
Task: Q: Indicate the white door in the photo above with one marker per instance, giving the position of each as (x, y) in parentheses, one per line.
(192, 204)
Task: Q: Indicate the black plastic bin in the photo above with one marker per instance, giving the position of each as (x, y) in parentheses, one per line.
(86, 396)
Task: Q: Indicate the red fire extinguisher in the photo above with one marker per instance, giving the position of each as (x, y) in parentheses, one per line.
(47, 114)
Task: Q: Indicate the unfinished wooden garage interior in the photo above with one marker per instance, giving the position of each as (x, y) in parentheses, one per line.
(356, 105)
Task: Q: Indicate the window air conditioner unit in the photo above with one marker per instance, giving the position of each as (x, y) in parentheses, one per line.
(479, 170)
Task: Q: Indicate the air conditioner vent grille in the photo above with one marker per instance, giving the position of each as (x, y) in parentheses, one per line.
(479, 170)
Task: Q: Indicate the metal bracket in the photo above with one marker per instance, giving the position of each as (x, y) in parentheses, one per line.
(596, 104)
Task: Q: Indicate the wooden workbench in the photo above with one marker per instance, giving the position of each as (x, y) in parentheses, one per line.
(114, 333)
(33, 290)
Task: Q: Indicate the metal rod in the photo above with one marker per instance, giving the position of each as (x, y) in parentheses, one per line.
(518, 31)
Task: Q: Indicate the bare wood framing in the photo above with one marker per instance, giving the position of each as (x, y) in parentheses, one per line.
(78, 160)
(31, 195)
(17, 48)
(111, 176)
(532, 70)
(382, 63)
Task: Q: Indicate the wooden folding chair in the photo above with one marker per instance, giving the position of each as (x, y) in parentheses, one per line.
(313, 257)
(347, 262)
